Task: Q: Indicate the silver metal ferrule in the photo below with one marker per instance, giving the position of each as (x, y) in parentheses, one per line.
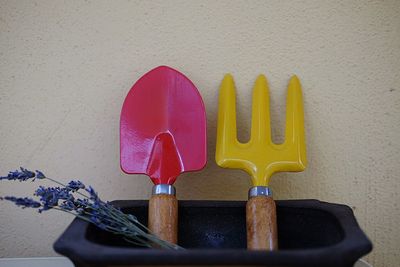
(260, 191)
(163, 189)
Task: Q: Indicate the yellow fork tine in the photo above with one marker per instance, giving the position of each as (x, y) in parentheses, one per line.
(260, 121)
(227, 112)
(294, 133)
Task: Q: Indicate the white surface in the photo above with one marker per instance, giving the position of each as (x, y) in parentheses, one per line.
(362, 263)
(36, 262)
(66, 67)
(64, 262)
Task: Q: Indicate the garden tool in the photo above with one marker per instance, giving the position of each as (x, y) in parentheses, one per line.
(260, 157)
(163, 134)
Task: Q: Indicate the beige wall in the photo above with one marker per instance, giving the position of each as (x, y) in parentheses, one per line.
(66, 66)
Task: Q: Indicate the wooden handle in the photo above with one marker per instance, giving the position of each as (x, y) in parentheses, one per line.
(262, 231)
(163, 217)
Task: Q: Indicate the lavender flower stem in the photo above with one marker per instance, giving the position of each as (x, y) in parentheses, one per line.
(109, 229)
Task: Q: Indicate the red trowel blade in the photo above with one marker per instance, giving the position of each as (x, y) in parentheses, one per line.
(163, 127)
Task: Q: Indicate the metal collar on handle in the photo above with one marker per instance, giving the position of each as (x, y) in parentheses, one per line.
(260, 191)
(163, 189)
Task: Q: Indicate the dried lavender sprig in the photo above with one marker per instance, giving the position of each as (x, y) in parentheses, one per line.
(21, 175)
(91, 208)
(23, 202)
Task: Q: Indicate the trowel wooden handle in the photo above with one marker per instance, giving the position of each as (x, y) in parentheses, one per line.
(262, 232)
(163, 217)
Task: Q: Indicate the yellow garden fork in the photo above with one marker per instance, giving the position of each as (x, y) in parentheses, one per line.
(260, 157)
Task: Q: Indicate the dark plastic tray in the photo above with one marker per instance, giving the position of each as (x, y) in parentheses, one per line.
(311, 233)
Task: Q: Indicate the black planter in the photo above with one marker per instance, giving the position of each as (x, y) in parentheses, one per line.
(311, 233)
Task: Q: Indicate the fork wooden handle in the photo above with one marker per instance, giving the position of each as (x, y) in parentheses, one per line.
(163, 217)
(262, 231)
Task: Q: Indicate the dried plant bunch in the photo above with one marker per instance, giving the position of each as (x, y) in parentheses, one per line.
(83, 202)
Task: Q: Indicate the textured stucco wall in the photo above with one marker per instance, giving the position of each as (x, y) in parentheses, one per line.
(66, 66)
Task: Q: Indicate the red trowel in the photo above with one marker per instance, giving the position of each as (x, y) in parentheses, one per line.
(163, 134)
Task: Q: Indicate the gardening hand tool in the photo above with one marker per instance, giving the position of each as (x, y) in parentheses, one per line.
(260, 157)
(163, 134)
